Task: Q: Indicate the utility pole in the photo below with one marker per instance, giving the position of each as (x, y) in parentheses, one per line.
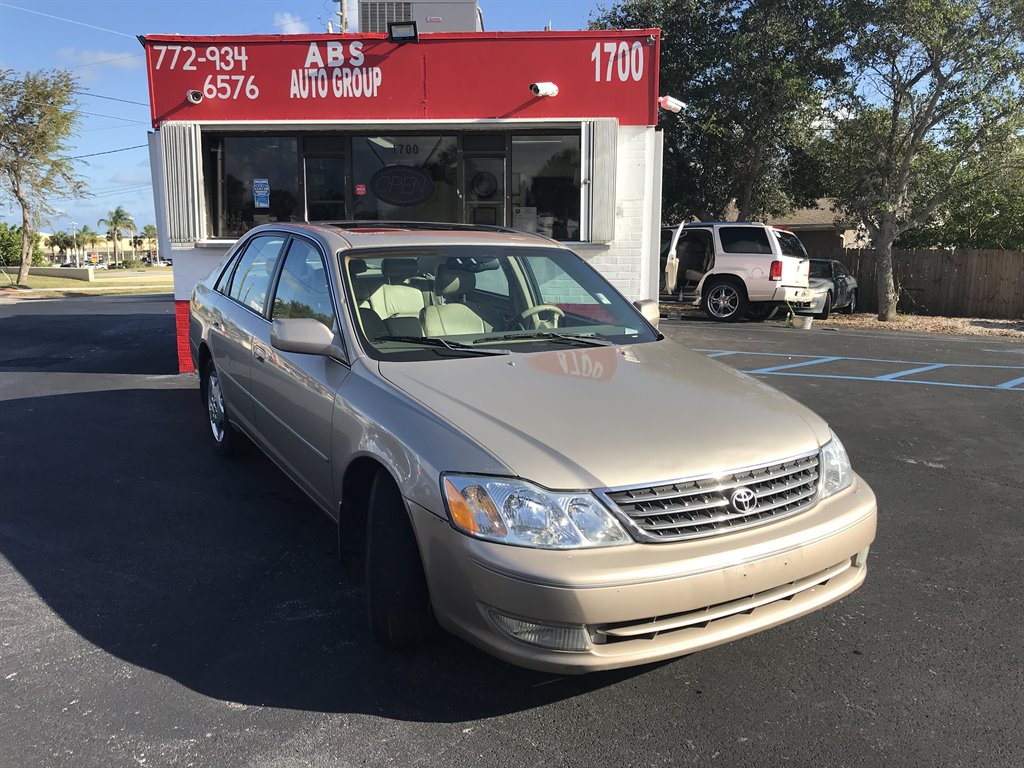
(343, 14)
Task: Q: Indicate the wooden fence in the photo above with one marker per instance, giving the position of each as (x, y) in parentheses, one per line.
(961, 283)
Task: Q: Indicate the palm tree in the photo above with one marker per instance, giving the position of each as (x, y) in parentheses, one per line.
(149, 234)
(88, 238)
(51, 243)
(118, 221)
(137, 241)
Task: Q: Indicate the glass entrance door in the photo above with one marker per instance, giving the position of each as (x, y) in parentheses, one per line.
(485, 190)
(325, 188)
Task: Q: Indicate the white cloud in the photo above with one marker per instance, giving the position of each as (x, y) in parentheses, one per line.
(290, 24)
(129, 177)
(80, 57)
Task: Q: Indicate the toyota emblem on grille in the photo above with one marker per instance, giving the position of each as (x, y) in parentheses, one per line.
(743, 500)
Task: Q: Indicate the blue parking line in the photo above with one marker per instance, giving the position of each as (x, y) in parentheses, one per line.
(892, 381)
(865, 359)
(1011, 384)
(775, 368)
(898, 374)
(897, 377)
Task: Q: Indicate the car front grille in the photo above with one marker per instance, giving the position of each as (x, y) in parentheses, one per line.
(707, 506)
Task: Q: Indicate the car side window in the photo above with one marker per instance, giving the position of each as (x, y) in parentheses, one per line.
(225, 276)
(744, 240)
(303, 289)
(250, 282)
(790, 244)
(838, 269)
(493, 281)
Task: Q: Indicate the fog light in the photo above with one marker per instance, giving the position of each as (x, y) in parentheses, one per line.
(861, 558)
(556, 638)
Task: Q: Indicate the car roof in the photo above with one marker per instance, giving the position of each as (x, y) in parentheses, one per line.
(388, 234)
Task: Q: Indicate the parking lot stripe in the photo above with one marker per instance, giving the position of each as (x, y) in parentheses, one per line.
(898, 374)
(1011, 384)
(864, 359)
(775, 368)
(897, 377)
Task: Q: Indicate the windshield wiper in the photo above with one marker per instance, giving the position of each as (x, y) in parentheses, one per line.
(433, 341)
(550, 336)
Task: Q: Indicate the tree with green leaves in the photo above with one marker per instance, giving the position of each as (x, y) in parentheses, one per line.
(933, 107)
(753, 77)
(149, 234)
(87, 237)
(118, 223)
(38, 115)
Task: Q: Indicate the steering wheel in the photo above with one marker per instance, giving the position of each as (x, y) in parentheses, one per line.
(556, 313)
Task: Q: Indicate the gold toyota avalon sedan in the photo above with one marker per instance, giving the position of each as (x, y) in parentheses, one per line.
(496, 431)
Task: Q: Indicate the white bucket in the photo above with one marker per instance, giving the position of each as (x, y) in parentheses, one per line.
(806, 321)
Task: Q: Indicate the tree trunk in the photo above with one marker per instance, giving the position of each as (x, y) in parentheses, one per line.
(745, 199)
(887, 296)
(26, 247)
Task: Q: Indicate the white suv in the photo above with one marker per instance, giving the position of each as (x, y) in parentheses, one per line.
(735, 270)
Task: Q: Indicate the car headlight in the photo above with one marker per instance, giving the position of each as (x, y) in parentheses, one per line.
(836, 473)
(516, 512)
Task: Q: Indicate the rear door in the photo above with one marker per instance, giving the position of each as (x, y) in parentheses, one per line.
(745, 250)
(796, 266)
(241, 319)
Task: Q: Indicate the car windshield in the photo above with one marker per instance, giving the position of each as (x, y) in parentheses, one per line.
(479, 298)
(820, 269)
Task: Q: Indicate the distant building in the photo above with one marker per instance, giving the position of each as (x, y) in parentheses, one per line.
(429, 15)
(820, 228)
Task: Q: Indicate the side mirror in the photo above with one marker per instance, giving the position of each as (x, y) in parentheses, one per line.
(305, 336)
(650, 310)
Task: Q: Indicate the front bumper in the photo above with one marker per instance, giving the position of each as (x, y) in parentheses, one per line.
(642, 603)
(814, 306)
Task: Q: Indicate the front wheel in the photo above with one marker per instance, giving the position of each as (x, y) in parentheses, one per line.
(724, 300)
(851, 308)
(397, 599)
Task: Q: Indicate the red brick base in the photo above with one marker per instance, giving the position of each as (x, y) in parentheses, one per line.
(181, 326)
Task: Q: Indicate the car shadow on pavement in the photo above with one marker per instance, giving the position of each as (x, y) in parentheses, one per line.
(218, 574)
(89, 343)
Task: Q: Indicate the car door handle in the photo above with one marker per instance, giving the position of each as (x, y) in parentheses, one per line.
(259, 353)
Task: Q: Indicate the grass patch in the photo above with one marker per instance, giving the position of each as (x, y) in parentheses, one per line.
(158, 278)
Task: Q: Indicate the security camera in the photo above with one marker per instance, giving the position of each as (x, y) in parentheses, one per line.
(544, 89)
(194, 97)
(672, 105)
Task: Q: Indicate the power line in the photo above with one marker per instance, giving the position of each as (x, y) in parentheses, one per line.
(110, 98)
(107, 61)
(69, 21)
(108, 152)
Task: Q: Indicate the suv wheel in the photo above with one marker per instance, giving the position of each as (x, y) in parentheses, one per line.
(397, 599)
(724, 300)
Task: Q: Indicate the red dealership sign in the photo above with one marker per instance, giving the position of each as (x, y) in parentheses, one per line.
(445, 76)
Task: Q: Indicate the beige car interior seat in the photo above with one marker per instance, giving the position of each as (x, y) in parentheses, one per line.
(452, 318)
(396, 302)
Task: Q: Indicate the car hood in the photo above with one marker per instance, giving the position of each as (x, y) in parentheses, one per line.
(605, 417)
(820, 283)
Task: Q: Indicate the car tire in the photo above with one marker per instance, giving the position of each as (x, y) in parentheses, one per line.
(724, 300)
(826, 309)
(397, 599)
(851, 308)
(759, 311)
(227, 441)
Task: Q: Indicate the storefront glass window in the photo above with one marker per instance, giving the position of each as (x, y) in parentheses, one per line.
(411, 178)
(546, 185)
(251, 180)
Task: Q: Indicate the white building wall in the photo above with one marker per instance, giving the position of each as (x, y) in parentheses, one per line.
(626, 261)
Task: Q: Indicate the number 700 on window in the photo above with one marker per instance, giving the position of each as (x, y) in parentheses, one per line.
(627, 62)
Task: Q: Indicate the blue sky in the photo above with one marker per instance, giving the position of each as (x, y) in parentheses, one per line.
(96, 41)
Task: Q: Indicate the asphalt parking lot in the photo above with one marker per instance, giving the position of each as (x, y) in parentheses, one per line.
(159, 606)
